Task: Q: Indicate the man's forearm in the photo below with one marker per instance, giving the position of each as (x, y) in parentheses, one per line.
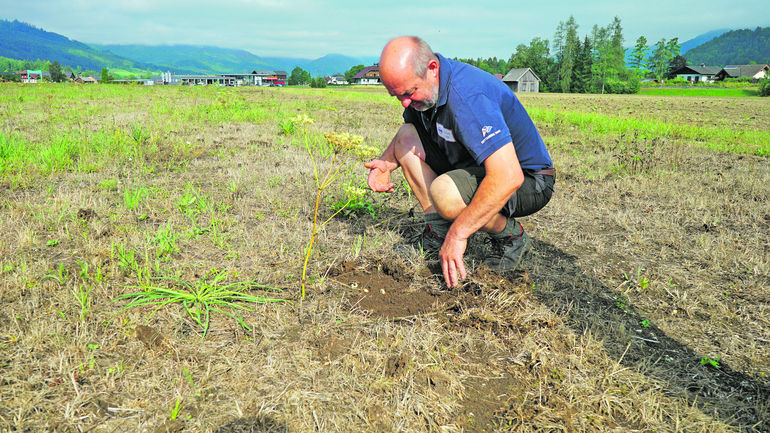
(503, 177)
(489, 199)
(389, 155)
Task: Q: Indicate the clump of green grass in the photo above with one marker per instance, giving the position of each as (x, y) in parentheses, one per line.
(699, 91)
(192, 203)
(134, 197)
(165, 240)
(721, 139)
(200, 298)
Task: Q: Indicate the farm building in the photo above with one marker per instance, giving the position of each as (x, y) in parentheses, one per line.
(522, 80)
(28, 76)
(368, 75)
(755, 72)
(269, 78)
(85, 80)
(250, 79)
(255, 78)
(205, 80)
(336, 79)
(696, 74)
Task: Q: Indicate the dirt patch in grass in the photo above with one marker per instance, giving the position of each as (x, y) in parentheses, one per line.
(387, 291)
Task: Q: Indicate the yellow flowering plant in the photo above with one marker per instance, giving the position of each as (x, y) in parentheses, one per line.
(342, 145)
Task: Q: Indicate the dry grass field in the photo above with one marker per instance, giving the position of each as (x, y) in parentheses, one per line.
(643, 307)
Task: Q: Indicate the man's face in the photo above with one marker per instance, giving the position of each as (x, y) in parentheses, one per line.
(420, 93)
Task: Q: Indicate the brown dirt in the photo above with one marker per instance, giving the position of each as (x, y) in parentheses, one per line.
(388, 291)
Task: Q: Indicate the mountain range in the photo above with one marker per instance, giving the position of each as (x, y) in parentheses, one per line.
(208, 60)
(26, 42)
(701, 39)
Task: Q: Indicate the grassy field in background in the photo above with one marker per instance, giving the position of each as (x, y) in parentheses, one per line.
(699, 91)
(153, 242)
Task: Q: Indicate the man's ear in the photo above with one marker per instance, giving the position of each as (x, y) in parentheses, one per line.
(433, 67)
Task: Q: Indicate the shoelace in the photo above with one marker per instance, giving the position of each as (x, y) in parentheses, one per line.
(498, 245)
(427, 232)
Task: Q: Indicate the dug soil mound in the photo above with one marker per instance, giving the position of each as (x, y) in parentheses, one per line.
(390, 291)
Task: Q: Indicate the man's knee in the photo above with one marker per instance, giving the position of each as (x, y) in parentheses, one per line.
(446, 197)
(408, 142)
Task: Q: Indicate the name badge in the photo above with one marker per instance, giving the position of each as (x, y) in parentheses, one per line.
(445, 133)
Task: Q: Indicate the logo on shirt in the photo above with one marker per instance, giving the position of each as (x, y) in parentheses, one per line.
(485, 130)
(444, 132)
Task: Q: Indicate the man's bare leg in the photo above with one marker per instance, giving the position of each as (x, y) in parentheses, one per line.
(411, 155)
(449, 203)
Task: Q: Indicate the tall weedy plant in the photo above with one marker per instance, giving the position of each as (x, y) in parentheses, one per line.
(342, 147)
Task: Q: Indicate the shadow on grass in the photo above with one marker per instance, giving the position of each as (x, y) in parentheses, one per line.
(737, 399)
(257, 424)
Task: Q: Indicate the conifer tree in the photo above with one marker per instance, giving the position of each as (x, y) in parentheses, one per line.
(566, 45)
(581, 78)
(601, 58)
(104, 76)
(638, 55)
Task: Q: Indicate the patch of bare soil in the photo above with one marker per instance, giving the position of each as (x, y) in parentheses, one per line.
(485, 398)
(387, 290)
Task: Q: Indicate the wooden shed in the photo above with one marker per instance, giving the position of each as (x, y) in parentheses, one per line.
(522, 80)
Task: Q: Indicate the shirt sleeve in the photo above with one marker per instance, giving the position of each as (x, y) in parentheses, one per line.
(480, 126)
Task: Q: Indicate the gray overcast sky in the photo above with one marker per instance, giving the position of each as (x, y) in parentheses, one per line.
(313, 28)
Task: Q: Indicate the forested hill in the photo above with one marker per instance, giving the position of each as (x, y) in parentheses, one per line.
(195, 59)
(737, 47)
(215, 60)
(25, 42)
(22, 41)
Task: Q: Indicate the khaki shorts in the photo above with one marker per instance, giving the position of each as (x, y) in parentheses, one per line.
(532, 196)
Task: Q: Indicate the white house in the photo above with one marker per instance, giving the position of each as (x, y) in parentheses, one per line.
(336, 79)
(368, 76)
(700, 73)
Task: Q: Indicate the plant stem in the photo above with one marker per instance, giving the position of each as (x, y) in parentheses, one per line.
(319, 191)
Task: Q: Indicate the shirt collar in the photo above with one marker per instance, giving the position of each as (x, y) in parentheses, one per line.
(444, 71)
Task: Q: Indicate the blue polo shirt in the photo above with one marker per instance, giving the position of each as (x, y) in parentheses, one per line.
(477, 114)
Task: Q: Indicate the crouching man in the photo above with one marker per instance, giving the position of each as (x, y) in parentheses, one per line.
(469, 151)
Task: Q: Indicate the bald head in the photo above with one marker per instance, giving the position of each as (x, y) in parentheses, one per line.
(405, 56)
(410, 72)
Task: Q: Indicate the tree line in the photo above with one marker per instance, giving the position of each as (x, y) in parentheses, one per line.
(300, 76)
(10, 68)
(594, 63)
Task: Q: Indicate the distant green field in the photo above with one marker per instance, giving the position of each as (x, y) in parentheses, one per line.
(698, 91)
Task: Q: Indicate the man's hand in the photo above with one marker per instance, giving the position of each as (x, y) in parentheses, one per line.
(379, 175)
(451, 256)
